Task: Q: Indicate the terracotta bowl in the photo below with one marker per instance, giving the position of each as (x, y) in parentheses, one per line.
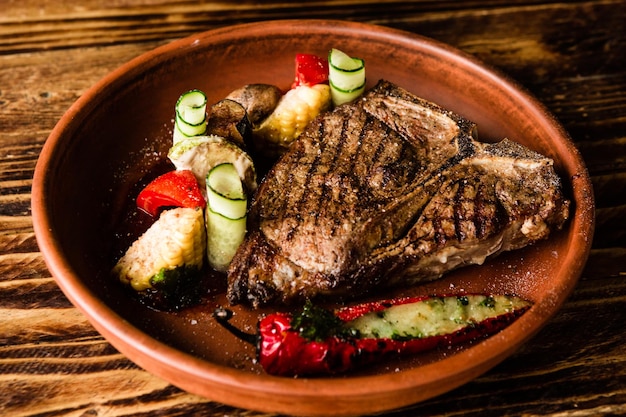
(119, 130)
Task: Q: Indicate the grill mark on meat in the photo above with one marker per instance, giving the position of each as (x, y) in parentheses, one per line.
(466, 222)
(480, 217)
(337, 192)
(301, 201)
(389, 190)
(357, 158)
(394, 163)
(439, 222)
(459, 212)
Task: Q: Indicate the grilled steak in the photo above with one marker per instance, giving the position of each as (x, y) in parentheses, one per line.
(390, 190)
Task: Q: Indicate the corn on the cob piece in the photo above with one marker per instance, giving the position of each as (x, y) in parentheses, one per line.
(175, 242)
(294, 111)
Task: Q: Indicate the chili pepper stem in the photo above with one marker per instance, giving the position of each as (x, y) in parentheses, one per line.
(223, 315)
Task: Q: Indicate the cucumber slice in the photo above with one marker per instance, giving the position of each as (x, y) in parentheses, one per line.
(340, 96)
(200, 154)
(344, 62)
(190, 118)
(225, 215)
(346, 77)
(224, 236)
(225, 192)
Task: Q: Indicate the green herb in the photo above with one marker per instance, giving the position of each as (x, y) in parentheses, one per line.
(174, 289)
(489, 302)
(317, 323)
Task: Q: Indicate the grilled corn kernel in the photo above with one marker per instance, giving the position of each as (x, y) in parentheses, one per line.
(294, 111)
(176, 239)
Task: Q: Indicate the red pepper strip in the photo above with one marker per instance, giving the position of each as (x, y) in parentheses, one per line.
(173, 189)
(352, 312)
(310, 70)
(283, 352)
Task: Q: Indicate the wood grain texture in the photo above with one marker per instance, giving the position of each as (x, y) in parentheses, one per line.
(569, 54)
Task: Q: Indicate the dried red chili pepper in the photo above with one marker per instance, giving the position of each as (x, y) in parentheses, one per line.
(317, 341)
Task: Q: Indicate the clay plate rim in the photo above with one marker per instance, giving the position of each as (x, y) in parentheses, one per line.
(316, 396)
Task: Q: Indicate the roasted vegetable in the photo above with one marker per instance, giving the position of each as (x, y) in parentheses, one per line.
(200, 154)
(278, 119)
(259, 100)
(346, 77)
(310, 70)
(293, 113)
(228, 119)
(164, 265)
(190, 118)
(317, 341)
(172, 189)
(225, 215)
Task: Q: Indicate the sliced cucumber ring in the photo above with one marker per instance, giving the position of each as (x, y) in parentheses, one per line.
(224, 236)
(225, 215)
(225, 191)
(346, 77)
(190, 118)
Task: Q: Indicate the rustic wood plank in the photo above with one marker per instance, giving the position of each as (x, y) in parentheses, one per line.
(606, 262)
(23, 325)
(127, 391)
(610, 189)
(22, 266)
(513, 53)
(10, 225)
(569, 54)
(12, 242)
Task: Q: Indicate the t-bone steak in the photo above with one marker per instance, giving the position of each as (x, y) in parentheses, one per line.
(390, 190)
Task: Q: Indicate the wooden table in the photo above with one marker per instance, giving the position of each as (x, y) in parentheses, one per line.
(571, 55)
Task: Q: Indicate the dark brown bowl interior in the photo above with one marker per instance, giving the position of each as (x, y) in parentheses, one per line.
(119, 130)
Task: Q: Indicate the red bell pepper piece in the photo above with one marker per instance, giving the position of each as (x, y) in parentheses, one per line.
(173, 189)
(285, 349)
(310, 70)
